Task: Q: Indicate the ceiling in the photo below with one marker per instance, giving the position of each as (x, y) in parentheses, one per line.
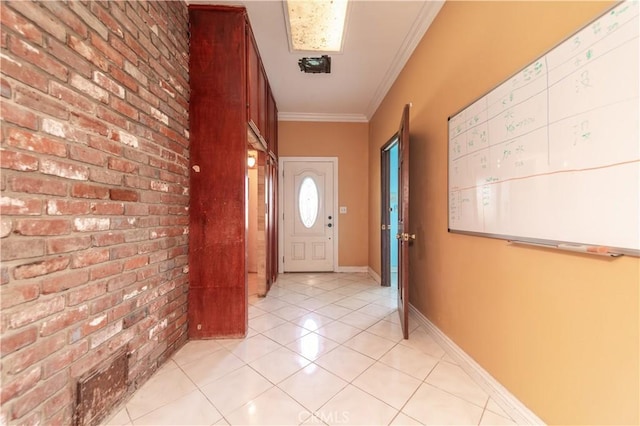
(380, 37)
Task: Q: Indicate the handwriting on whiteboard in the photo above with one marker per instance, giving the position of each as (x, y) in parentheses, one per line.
(566, 117)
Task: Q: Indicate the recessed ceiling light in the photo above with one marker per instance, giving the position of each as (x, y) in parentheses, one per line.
(316, 25)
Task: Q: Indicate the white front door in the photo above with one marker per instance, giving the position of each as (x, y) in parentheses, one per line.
(309, 216)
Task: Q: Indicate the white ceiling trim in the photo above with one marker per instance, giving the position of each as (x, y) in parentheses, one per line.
(309, 116)
(422, 22)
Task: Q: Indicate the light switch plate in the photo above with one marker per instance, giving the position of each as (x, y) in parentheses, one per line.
(343, 209)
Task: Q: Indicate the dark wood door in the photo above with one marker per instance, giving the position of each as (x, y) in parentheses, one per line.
(403, 222)
(272, 231)
(272, 142)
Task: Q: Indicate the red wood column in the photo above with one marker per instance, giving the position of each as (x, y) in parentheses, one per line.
(218, 126)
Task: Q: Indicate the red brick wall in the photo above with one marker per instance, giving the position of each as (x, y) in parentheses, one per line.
(94, 225)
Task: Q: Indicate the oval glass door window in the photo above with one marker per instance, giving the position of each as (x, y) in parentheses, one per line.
(308, 202)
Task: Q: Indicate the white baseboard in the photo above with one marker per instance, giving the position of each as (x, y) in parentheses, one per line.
(374, 275)
(505, 399)
(344, 269)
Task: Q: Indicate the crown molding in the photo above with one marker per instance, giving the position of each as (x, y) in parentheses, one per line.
(310, 116)
(420, 25)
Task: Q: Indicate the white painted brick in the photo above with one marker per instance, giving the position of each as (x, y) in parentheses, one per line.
(105, 334)
(105, 82)
(89, 88)
(88, 224)
(158, 327)
(27, 316)
(176, 85)
(8, 59)
(11, 202)
(128, 139)
(98, 320)
(29, 47)
(134, 293)
(52, 207)
(159, 186)
(66, 171)
(54, 128)
(160, 116)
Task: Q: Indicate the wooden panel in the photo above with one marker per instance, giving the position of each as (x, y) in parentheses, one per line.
(218, 312)
(273, 222)
(262, 102)
(272, 125)
(272, 122)
(253, 70)
(217, 264)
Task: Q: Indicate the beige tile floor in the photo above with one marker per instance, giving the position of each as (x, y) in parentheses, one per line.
(321, 349)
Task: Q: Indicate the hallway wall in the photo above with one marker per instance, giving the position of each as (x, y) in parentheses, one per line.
(348, 142)
(559, 330)
(94, 199)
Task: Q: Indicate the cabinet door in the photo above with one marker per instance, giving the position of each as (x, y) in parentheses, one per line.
(253, 85)
(262, 102)
(272, 124)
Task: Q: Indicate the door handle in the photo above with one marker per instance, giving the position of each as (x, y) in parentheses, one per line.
(406, 237)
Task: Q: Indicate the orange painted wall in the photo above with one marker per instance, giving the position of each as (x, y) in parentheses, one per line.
(348, 142)
(559, 330)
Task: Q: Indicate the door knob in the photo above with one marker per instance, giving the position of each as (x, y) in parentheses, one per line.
(407, 237)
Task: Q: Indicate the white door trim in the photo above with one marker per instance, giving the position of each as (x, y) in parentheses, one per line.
(281, 166)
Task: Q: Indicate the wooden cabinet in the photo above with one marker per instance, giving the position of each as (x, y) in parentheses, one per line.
(253, 70)
(229, 91)
(257, 90)
(262, 103)
(272, 121)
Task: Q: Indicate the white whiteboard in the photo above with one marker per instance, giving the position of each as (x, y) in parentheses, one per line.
(552, 155)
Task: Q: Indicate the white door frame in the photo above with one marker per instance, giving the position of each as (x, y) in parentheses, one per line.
(281, 162)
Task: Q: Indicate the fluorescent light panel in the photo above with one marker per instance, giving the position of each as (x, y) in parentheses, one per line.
(316, 25)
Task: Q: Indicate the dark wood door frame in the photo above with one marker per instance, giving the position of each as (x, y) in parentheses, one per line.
(401, 139)
(385, 216)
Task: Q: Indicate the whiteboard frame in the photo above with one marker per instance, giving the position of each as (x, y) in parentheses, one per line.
(553, 244)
